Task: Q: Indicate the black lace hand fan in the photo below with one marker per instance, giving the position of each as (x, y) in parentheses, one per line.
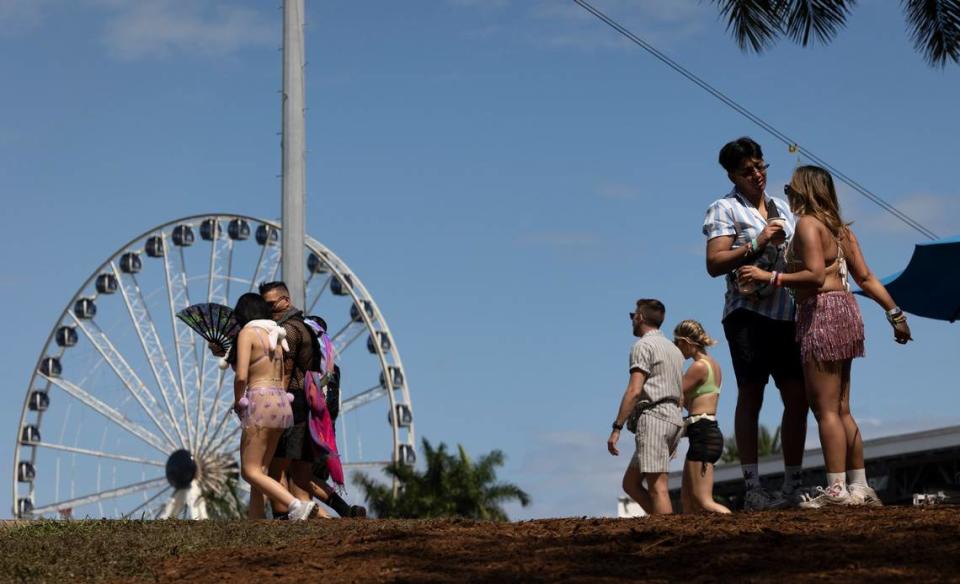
(213, 322)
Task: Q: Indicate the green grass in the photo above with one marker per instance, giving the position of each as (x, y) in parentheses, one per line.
(69, 551)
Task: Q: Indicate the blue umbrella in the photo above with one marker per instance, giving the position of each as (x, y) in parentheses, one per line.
(930, 284)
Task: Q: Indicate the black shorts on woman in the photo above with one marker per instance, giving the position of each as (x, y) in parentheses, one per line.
(706, 441)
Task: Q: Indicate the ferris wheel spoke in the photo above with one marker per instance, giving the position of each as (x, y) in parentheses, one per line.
(150, 341)
(343, 343)
(134, 385)
(146, 503)
(268, 261)
(99, 453)
(363, 398)
(216, 440)
(111, 414)
(225, 438)
(323, 288)
(178, 295)
(344, 329)
(213, 409)
(221, 254)
(101, 496)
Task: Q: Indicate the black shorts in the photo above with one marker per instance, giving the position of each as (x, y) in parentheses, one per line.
(295, 443)
(761, 347)
(706, 442)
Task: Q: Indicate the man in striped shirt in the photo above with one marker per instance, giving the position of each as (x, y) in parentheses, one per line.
(748, 227)
(651, 402)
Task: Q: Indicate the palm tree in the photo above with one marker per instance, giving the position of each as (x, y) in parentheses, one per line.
(767, 444)
(227, 502)
(758, 24)
(450, 486)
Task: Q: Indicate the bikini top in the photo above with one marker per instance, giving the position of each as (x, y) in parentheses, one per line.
(708, 386)
(270, 335)
(837, 266)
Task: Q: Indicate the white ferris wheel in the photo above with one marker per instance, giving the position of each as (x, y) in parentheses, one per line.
(127, 414)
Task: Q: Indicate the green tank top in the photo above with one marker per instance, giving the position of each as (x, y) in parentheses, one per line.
(709, 385)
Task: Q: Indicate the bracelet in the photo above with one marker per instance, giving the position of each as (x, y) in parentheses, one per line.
(896, 316)
(773, 277)
(617, 426)
(754, 246)
(778, 282)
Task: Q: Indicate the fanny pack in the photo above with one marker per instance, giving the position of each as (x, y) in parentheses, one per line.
(643, 406)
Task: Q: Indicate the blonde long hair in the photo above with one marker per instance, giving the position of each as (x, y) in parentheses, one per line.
(812, 193)
(693, 332)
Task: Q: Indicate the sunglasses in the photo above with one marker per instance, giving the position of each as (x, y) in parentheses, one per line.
(749, 172)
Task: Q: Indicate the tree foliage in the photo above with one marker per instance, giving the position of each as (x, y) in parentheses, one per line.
(227, 503)
(451, 485)
(767, 444)
(757, 25)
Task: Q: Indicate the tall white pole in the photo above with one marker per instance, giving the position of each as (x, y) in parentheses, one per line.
(293, 152)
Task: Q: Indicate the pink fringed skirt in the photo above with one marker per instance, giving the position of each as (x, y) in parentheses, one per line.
(829, 327)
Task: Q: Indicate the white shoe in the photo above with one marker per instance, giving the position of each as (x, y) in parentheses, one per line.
(761, 500)
(301, 510)
(864, 495)
(835, 494)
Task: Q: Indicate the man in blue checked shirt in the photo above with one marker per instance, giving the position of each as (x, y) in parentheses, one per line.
(748, 227)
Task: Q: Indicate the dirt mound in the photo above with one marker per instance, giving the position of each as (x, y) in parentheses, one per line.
(837, 544)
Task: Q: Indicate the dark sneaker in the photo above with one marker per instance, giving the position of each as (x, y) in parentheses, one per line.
(358, 511)
(761, 500)
(793, 498)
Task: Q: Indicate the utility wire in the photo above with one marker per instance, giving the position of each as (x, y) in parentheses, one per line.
(729, 102)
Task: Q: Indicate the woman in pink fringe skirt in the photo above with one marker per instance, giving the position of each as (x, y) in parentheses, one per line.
(829, 326)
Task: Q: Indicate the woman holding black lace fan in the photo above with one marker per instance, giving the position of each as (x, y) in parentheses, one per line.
(261, 399)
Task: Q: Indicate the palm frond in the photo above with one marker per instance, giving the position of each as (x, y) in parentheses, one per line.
(935, 29)
(821, 18)
(755, 24)
(506, 492)
(451, 485)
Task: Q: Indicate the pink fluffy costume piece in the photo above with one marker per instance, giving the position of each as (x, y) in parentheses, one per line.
(829, 327)
(267, 407)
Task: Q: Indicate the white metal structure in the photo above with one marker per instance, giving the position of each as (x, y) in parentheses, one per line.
(127, 414)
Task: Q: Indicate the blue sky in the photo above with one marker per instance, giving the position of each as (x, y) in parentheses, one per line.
(506, 177)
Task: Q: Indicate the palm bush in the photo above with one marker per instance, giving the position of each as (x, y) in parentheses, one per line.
(451, 485)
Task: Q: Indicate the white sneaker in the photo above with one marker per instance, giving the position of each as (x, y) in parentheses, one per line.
(864, 495)
(301, 510)
(835, 494)
(761, 500)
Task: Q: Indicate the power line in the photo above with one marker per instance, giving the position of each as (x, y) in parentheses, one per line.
(729, 102)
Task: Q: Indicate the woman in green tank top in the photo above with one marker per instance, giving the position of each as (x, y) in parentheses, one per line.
(701, 393)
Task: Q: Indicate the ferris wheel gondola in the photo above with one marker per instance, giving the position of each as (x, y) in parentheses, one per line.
(127, 414)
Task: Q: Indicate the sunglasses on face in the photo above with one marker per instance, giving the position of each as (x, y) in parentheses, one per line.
(749, 172)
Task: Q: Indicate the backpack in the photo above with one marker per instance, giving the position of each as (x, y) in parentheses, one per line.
(322, 389)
